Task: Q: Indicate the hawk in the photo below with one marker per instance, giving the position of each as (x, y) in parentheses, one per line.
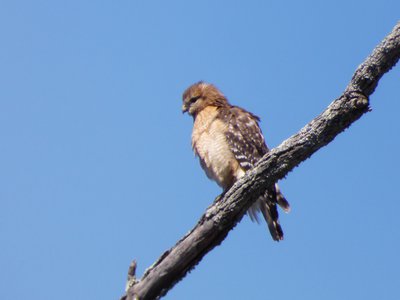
(228, 141)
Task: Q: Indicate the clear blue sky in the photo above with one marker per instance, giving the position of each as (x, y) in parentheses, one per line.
(96, 167)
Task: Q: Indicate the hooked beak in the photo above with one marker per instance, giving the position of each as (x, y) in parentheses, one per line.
(185, 108)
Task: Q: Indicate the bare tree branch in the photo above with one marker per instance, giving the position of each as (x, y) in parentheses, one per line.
(228, 209)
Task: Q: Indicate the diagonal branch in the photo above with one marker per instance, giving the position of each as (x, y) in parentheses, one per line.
(229, 208)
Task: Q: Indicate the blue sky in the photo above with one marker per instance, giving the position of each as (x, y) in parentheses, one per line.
(96, 167)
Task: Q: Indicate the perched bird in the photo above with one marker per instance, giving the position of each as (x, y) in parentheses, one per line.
(228, 141)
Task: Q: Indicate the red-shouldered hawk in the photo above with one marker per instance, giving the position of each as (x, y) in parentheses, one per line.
(228, 141)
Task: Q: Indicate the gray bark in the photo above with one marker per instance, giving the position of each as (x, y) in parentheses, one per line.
(229, 208)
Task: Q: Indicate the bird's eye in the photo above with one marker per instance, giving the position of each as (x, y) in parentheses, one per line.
(194, 99)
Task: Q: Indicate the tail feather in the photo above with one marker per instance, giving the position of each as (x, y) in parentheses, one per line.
(270, 214)
(281, 200)
(267, 204)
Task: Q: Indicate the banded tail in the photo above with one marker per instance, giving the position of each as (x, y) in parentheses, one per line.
(267, 204)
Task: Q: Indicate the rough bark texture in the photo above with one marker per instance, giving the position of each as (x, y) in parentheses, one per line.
(228, 209)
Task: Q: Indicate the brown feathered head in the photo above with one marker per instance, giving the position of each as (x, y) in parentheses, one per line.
(200, 95)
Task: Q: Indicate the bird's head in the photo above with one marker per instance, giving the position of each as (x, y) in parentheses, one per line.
(200, 95)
